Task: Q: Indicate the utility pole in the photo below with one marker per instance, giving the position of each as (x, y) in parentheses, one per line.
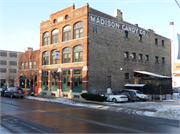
(177, 3)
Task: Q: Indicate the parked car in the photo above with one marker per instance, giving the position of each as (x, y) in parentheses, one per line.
(2, 91)
(175, 90)
(14, 92)
(130, 94)
(139, 94)
(117, 98)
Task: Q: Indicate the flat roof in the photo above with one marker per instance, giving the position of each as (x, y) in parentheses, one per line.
(135, 85)
(152, 74)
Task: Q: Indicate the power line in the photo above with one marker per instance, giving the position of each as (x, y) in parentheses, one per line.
(177, 3)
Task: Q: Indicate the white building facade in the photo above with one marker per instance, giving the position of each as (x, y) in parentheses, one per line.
(9, 67)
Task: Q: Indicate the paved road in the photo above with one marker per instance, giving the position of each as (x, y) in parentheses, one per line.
(31, 116)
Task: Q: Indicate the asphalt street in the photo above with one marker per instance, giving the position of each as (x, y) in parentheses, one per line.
(31, 116)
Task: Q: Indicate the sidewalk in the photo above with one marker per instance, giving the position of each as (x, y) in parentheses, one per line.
(103, 103)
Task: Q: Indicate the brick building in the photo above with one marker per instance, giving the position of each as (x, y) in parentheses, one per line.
(96, 51)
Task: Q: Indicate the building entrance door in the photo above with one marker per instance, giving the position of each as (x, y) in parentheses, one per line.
(77, 81)
(66, 81)
(45, 80)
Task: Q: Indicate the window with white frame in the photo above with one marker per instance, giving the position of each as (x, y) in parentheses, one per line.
(78, 53)
(78, 30)
(66, 55)
(54, 36)
(46, 38)
(45, 58)
(67, 33)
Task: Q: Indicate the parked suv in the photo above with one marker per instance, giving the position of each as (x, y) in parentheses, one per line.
(4, 88)
(14, 92)
(130, 94)
(139, 94)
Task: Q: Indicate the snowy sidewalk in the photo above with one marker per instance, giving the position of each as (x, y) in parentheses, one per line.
(169, 109)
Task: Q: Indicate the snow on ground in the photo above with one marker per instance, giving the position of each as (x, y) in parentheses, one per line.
(4, 130)
(168, 108)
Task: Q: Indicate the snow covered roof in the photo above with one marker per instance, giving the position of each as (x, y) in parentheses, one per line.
(135, 85)
(152, 74)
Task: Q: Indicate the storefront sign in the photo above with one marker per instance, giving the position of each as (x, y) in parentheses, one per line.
(57, 55)
(112, 24)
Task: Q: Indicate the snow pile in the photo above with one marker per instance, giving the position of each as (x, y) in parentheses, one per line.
(4, 131)
(62, 100)
(168, 108)
(169, 113)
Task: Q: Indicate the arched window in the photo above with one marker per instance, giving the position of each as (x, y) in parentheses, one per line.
(78, 30)
(78, 54)
(54, 36)
(67, 33)
(45, 38)
(66, 55)
(53, 60)
(45, 58)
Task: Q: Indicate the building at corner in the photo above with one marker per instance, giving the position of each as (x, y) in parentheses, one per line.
(95, 51)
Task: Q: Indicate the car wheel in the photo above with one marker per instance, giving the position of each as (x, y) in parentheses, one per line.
(22, 96)
(12, 95)
(114, 100)
(132, 101)
(137, 99)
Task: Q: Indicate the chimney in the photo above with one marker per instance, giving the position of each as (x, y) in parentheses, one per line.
(172, 45)
(118, 14)
(28, 48)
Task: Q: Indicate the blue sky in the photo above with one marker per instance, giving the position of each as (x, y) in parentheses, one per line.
(20, 19)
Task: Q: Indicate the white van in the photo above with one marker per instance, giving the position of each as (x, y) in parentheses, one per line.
(139, 94)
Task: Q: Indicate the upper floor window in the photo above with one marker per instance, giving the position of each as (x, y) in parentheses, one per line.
(45, 58)
(30, 65)
(78, 30)
(13, 70)
(126, 34)
(140, 37)
(4, 54)
(162, 42)
(26, 65)
(156, 41)
(147, 58)
(53, 60)
(67, 33)
(163, 60)
(34, 65)
(140, 56)
(46, 38)
(133, 55)
(78, 54)
(22, 65)
(3, 70)
(126, 55)
(12, 54)
(126, 75)
(66, 55)
(156, 59)
(3, 62)
(54, 36)
(13, 63)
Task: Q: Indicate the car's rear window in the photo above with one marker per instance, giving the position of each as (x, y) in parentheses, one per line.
(19, 89)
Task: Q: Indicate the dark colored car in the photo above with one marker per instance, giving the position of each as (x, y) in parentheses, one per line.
(4, 88)
(130, 94)
(14, 92)
(175, 90)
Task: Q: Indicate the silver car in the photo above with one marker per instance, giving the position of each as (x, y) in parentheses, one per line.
(14, 92)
